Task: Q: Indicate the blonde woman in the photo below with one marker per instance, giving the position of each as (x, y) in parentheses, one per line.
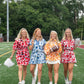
(37, 56)
(68, 57)
(52, 50)
(22, 56)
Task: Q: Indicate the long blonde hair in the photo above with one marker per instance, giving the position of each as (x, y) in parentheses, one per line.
(56, 36)
(34, 34)
(64, 36)
(19, 34)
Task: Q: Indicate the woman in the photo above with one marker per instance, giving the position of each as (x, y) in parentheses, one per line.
(68, 56)
(52, 50)
(37, 56)
(22, 56)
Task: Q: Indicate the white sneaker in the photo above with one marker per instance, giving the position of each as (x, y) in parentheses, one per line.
(50, 82)
(23, 81)
(66, 81)
(20, 83)
(33, 80)
(38, 83)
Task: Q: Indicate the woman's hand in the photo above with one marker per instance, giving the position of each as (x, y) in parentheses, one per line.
(11, 57)
(12, 54)
(54, 49)
(75, 47)
(31, 46)
(32, 42)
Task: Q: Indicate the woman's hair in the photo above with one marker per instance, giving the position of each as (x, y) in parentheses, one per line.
(34, 34)
(65, 37)
(19, 36)
(56, 36)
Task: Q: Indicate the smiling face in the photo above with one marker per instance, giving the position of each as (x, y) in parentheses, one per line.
(23, 33)
(68, 33)
(38, 33)
(53, 35)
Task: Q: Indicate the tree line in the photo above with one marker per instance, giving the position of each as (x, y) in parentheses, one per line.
(45, 14)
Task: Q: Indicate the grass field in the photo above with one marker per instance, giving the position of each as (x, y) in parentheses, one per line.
(10, 75)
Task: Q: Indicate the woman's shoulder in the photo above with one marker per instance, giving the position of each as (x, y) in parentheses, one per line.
(27, 39)
(73, 40)
(16, 40)
(63, 40)
(43, 39)
(59, 42)
(47, 42)
(32, 39)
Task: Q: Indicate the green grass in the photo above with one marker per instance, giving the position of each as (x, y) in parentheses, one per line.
(10, 75)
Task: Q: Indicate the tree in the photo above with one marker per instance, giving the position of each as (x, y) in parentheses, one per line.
(45, 14)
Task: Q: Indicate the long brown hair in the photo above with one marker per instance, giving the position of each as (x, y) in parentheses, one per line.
(34, 34)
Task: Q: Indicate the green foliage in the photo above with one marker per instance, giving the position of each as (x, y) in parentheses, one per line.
(45, 14)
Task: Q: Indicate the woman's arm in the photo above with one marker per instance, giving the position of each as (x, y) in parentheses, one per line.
(32, 45)
(75, 47)
(60, 48)
(13, 51)
(15, 46)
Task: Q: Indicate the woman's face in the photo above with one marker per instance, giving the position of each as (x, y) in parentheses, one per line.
(53, 35)
(68, 33)
(23, 33)
(38, 33)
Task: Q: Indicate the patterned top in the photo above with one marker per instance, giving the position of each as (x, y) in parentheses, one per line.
(22, 55)
(38, 46)
(68, 45)
(68, 56)
(38, 55)
(52, 56)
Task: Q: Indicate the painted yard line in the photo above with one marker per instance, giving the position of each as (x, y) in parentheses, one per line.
(5, 53)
